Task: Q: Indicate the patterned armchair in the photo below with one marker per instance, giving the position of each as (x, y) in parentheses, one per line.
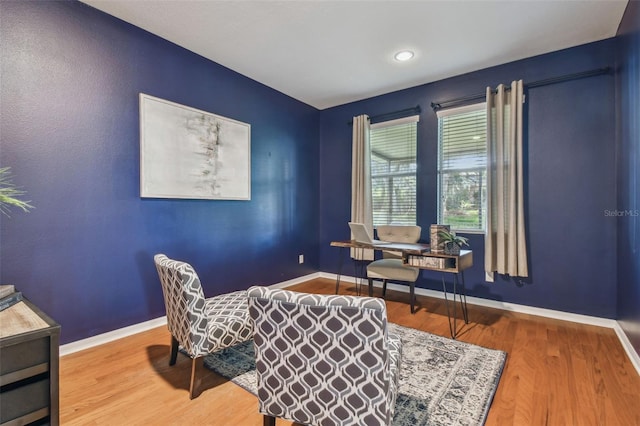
(198, 325)
(324, 360)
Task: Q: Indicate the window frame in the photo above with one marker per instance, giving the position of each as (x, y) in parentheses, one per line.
(389, 176)
(482, 208)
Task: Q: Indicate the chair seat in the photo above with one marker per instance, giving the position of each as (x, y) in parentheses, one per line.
(392, 269)
(229, 321)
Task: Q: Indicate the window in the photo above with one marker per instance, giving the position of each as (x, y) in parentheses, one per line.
(393, 171)
(462, 167)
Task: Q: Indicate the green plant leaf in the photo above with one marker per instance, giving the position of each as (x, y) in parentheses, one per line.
(451, 237)
(10, 194)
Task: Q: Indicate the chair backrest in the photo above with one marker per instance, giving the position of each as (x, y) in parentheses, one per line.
(321, 359)
(184, 303)
(398, 234)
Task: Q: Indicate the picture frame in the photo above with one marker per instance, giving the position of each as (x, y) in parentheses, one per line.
(192, 154)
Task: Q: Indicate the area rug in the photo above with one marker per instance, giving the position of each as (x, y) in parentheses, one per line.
(442, 381)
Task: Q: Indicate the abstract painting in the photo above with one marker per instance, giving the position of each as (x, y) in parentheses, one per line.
(189, 153)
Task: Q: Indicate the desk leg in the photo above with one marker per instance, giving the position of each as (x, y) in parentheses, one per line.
(453, 325)
(412, 295)
(455, 311)
(359, 268)
(446, 302)
(357, 272)
(465, 312)
(356, 275)
(339, 268)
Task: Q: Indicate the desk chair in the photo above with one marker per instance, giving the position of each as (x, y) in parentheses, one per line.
(390, 267)
(324, 359)
(199, 326)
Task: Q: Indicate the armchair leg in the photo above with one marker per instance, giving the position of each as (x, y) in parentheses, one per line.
(193, 376)
(174, 351)
(370, 287)
(384, 288)
(268, 421)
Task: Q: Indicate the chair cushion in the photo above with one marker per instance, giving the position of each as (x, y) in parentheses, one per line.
(392, 269)
(399, 233)
(228, 320)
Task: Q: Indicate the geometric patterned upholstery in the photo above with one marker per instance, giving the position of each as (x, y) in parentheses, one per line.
(200, 326)
(390, 267)
(324, 359)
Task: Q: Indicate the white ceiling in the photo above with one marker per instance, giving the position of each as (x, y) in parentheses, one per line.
(328, 53)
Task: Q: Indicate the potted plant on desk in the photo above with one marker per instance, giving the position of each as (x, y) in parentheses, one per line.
(453, 243)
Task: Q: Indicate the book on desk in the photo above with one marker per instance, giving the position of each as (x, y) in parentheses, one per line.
(9, 296)
(430, 262)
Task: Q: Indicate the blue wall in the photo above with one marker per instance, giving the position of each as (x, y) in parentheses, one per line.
(69, 129)
(571, 172)
(629, 174)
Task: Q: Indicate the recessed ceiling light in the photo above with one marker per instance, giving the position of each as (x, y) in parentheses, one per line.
(404, 55)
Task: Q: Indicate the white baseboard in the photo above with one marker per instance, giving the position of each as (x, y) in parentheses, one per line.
(628, 347)
(100, 339)
(298, 280)
(514, 307)
(505, 306)
(110, 336)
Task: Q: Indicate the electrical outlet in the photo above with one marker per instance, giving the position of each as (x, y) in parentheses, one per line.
(301, 259)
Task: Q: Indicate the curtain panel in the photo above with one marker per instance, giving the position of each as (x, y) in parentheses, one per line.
(361, 205)
(505, 241)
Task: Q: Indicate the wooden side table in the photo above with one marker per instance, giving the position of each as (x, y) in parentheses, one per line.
(29, 366)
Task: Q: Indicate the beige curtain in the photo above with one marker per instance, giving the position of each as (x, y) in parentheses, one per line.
(505, 244)
(361, 207)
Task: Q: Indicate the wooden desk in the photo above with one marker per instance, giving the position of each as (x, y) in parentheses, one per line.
(447, 263)
(420, 256)
(29, 361)
(408, 248)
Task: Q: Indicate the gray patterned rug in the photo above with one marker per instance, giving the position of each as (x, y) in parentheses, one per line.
(442, 381)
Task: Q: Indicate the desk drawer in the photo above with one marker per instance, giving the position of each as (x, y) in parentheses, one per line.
(24, 398)
(24, 355)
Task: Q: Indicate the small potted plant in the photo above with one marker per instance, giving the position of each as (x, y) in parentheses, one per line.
(452, 242)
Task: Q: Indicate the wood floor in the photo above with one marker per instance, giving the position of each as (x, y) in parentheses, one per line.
(557, 373)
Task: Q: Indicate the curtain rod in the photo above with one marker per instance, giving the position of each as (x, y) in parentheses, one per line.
(459, 101)
(393, 115)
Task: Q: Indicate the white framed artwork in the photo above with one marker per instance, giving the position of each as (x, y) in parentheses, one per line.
(193, 154)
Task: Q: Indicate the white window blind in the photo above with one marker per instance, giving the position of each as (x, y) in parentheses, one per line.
(393, 171)
(462, 166)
